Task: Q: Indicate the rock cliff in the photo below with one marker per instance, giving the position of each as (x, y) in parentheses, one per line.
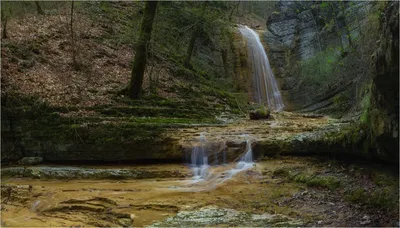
(318, 66)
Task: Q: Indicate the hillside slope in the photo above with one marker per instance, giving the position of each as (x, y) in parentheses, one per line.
(48, 105)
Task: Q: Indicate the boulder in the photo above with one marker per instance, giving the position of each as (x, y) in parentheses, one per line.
(259, 114)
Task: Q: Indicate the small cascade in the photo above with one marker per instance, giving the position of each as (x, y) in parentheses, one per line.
(203, 155)
(199, 159)
(264, 84)
(245, 162)
(208, 162)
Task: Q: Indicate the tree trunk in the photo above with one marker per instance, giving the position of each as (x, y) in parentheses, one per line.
(195, 34)
(139, 63)
(74, 63)
(4, 19)
(233, 9)
(38, 8)
(346, 27)
(191, 46)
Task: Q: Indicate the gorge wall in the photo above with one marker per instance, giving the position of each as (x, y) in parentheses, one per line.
(341, 59)
(383, 113)
(319, 52)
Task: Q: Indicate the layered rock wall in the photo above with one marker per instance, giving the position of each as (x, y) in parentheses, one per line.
(308, 46)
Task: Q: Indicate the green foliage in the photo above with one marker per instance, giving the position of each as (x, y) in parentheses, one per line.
(325, 182)
(24, 50)
(75, 126)
(382, 198)
(21, 8)
(123, 25)
(170, 39)
(341, 101)
(365, 105)
(321, 68)
(281, 172)
(173, 32)
(310, 179)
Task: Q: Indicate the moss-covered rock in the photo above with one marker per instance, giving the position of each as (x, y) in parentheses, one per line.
(261, 113)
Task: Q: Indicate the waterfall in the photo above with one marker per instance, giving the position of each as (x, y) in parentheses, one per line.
(208, 162)
(199, 159)
(265, 87)
(245, 162)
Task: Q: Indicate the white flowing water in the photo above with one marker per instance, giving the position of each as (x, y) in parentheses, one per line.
(208, 163)
(264, 84)
(199, 159)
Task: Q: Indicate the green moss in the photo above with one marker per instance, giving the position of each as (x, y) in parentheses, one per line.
(281, 172)
(356, 195)
(384, 180)
(308, 178)
(325, 182)
(321, 68)
(75, 126)
(383, 198)
(262, 111)
(341, 101)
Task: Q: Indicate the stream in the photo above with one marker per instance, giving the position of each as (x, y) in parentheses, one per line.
(285, 191)
(218, 183)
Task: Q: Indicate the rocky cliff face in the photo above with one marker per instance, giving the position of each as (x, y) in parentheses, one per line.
(384, 109)
(312, 56)
(341, 59)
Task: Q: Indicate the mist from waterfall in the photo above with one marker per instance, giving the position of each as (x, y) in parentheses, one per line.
(265, 87)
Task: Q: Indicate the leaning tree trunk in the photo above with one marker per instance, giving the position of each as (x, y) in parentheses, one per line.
(189, 51)
(139, 63)
(38, 8)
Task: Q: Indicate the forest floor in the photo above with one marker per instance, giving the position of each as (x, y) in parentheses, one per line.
(37, 61)
(283, 191)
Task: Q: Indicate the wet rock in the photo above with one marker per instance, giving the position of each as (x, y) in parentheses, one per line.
(213, 216)
(30, 160)
(67, 172)
(260, 114)
(365, 220)
(125, 222)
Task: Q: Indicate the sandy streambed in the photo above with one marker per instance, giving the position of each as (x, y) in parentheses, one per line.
(261, 196)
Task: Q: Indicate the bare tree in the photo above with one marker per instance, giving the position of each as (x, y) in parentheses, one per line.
(73, 45)
(233, 9)
(139, 63)
(4, 20)
(38, 8)
(195, 34)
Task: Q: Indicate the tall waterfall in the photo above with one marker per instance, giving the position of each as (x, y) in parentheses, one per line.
(264, 83)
